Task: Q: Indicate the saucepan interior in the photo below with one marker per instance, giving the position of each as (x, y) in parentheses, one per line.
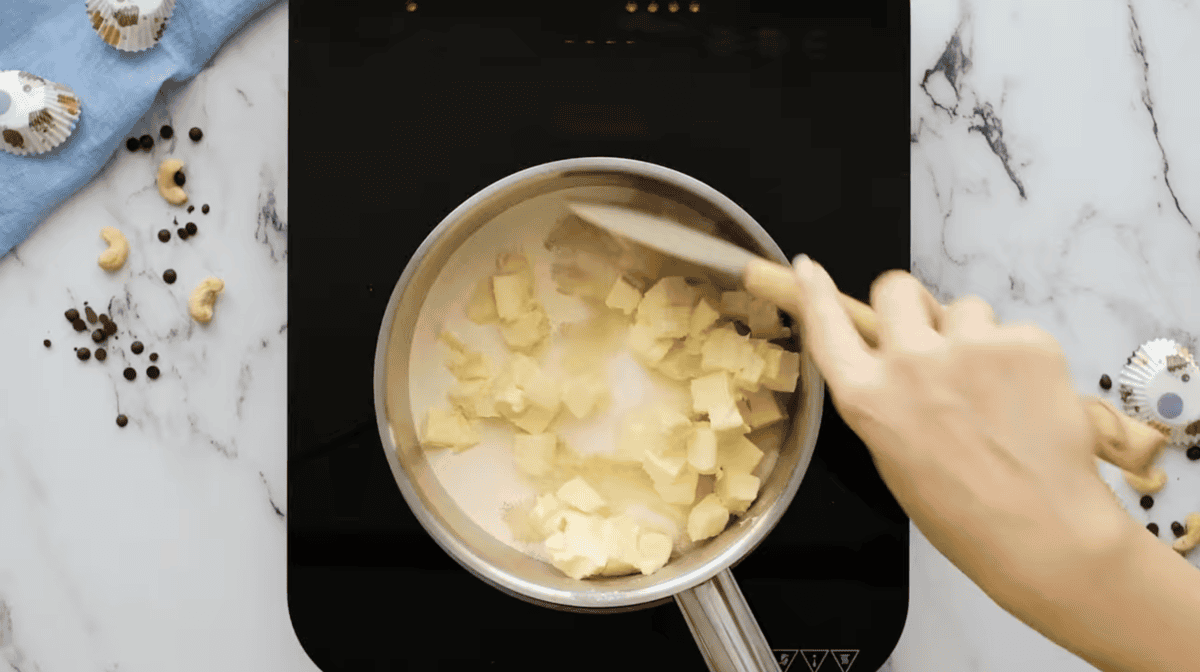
(636, 184)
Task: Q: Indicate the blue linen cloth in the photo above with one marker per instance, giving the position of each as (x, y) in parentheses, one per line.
(54, 39)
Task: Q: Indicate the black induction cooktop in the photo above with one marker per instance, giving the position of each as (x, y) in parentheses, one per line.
(797, 111)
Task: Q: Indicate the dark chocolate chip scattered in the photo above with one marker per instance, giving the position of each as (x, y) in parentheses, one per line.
(1177, 529)
(1153, 527)
(79, 325)
(1105, 382)
(83, 354)
(98, 335)
(136, 347)
(133, 145)
(169, 276)
(166, 132)
(147, 142)
(180, 178)
(152, 372)
(164, 235)
(1147, 501)
(181, 233)
(46, 342)
(191, 208)
(101, 354)
(91, 314)
(122, 421)
(742, 329)
(1186, 377)
(191, 229)
(204, 208)
(154, 356)
(110, 328)
(1194, 453)
(72, 315)
(130, 374)
(195, 134)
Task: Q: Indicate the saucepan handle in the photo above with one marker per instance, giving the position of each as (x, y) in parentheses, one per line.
(720, 620)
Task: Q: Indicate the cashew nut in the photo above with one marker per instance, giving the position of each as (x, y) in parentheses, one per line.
(203, 298)
(166, 182)
(114, 257)
(1190, 540)
(1149, 484)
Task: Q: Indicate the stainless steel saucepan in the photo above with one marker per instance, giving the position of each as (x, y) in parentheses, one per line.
(700, 581)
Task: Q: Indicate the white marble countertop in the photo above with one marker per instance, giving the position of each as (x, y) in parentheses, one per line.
(1055, 173)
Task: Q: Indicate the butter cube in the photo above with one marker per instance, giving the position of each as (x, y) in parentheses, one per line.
(578, 551)
(548, 514)
(673, 322)
(449, 428)
(681, 490)
(736, 304)
(772, 356)
(534, 419)
(737, 453)
(707, 519)
(736, 490)
(788, 374)
(702, 448)
(655, 550)
(620, 538)
(534, 453)
(671, 291)
(511, 299)
(723, 350)
(468, 365)
(703, 317)
(664, 466)
(474, 399)
(673, 425)
(645, 343)
(681, 365)
(763, 320)
(584, 394)
(580, 495)
(623, 297)
(537, 387)
(527, 331)
(712, 394)
(760, 409)
(481, 307)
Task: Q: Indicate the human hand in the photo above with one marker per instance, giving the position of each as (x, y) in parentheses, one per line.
(976, 429)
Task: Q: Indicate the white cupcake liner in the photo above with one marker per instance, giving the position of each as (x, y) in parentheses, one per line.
(36, 115)
(1160, 385)
(130, 25)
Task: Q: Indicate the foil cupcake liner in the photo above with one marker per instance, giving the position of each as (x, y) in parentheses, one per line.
(130, 25)
(36, 115)
(1160, 385)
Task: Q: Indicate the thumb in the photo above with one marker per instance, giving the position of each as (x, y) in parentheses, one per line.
(831, 338)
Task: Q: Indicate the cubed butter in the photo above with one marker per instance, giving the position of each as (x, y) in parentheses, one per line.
(763, 320)
(681, 490)
(449, 428)
(736, 490)
(528, 331)
(538, 388)
(703, 317)
(481, 307)
(534, 419)
(654, 550)
(788, 374)
(671, 291)
(620, 536)
(548, 514)
(672, 322)
(664, 466)
(584, 394)
(580, 495)
(474, 399)
(578, 551)
(534, 453)
(707, 519)
(711, 394)
(511, 299)
(761, 409)
(645, 343)
(738, 453)
(623, 297)
(702, 448)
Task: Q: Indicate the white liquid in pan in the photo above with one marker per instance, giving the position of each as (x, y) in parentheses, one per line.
(483, 480)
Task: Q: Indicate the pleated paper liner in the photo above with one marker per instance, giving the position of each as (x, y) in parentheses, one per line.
(1160, 385)
(130, 25)
(36, 115)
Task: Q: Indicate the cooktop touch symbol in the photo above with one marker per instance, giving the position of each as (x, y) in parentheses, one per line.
(1160, 385)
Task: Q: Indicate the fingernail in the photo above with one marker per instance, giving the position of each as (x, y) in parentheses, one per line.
(804, 267)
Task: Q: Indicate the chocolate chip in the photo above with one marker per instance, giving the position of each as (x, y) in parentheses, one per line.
(1153, 527)
(164, 235)
(154, 356)
(122, 421)
(83, 354)
(98, 335)
(1177, 529)
(130, 374)
(72, 315)
(204, 208)
(46, 342)
(1194, 453)
(101, 354)
(166, 132)
(742, 329)
(133, 145)
(190, 208)
(1147, 501)
(1186, 377)
(191, 229)
(1105, 382)
(169, 276)
(179, 178)
(152, 372)
(195, 134)
(79, 325)
(181, 233)
(110, 327)
(147, 142)
(91, 314)
(136, 347)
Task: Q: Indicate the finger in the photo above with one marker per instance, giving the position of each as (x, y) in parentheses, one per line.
(1123, 441)
(968, 315)
(830, 336)
(908, 313)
